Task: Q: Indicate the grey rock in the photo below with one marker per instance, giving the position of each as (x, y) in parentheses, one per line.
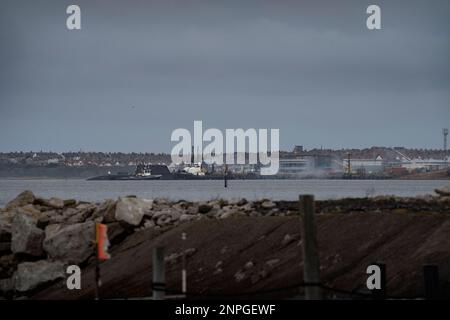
(267, 204)
(31, 275)
(29, 210)
(106, 211)
(180, 206)
(247, 207)
(85, 205)
(132, 210)
(163, 212)
(161, 204)
(175, 215)
(69, 212)
(187, 217)
(81, 215)
(149, 224)
(213, 213)
(192, 209)
(26, 236)
(443, 192)
(273, 212)
(56, 219)
(164, 220)
(227, 212)
(200, 216)
(55, 203)
(24, 198)
(52, 213)
(242, 202)
(70, 243)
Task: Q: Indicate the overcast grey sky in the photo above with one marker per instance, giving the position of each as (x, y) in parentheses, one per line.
(139, 69)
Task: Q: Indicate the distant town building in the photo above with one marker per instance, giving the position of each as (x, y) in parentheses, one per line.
(298, 150)
(296, 166)
(367, 166)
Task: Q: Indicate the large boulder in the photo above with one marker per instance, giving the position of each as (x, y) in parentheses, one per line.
(79, 214)
(105, 212)
(26, 197)
(267, 204)
(54, 203)
(187, 217)
(443, 192)
(26, 236)
(31, 275)
(30, 210)
(70, 243)
(132, 210)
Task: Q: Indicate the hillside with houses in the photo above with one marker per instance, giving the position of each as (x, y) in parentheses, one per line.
(374, 162)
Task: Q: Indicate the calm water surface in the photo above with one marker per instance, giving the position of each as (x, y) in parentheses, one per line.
(206, 190)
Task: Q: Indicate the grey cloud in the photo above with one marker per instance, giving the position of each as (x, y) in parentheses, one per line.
(310, 68)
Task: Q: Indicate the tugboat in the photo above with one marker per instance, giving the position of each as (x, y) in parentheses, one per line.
(142, 172)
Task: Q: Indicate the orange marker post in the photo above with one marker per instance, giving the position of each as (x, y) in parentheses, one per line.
(102, 241)
(101, 253)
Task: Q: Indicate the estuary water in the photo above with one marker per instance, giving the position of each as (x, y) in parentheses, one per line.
(195, 190)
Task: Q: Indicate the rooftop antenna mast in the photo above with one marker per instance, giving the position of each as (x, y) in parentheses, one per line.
(349, 161)
(445, 134)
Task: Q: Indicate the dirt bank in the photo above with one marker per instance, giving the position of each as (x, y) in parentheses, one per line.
(232, 247)
(240, 255)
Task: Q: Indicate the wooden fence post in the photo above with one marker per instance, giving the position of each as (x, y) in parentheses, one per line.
(159, 274)
(431, 279)
(183, 271)
(311, 264)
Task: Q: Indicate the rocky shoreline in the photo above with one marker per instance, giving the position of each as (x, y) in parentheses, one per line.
(39, 237)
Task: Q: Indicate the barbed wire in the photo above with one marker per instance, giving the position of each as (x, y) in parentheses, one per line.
(161, 287)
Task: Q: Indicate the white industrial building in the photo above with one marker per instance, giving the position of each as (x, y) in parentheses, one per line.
(367, 165)
(296, 166)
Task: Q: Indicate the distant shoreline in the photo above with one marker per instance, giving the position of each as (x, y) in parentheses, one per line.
(86, 172)
(278, 179)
